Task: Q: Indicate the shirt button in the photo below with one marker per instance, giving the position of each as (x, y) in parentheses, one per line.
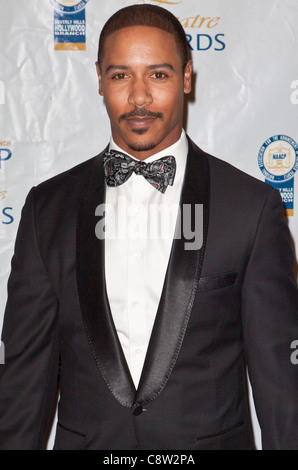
(136, 254)
(138, 351)
(137, 411)
(136, 304)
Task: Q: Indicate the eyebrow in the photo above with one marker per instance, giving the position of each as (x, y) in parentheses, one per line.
(150, 67)
(161, 66)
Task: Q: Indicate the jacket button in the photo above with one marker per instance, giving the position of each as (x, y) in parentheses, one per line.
(137, 411)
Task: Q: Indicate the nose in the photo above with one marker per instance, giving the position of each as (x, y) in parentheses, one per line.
(139, 94)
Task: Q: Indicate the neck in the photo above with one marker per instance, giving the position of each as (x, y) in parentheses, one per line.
(143, 154)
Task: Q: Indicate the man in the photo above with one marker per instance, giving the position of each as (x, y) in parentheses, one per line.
(151, 333)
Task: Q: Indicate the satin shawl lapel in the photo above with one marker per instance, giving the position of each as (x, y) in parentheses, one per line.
(176, 301)
(179, 288)
(95, 308)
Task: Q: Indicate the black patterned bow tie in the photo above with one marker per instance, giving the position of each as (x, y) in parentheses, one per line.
(118, 167)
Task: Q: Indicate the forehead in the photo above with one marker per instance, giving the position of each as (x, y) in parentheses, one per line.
(140, 42)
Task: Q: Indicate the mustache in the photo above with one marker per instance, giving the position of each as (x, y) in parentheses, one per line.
(143, 112)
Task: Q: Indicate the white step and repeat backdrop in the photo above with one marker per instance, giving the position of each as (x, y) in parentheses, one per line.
(243, 109)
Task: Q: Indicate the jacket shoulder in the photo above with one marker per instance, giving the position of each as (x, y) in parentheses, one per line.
(71, 183)
(224, 173)
(233, 187)
(73, 175)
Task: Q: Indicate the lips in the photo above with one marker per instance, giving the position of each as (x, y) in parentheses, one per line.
(140, 122)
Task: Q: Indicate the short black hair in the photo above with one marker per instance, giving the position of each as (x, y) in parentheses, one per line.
(146, 15)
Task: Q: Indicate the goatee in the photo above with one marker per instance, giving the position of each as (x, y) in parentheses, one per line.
(142, 147)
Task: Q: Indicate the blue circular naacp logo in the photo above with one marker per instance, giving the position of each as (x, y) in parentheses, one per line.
(69, 6)
(278, 158)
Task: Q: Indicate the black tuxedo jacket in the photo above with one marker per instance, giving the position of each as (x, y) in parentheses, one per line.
(234, 299)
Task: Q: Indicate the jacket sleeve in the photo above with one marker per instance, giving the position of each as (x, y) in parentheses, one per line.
(270, 325)
(28, 378)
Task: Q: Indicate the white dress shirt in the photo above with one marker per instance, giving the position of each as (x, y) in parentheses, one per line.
(137, 249)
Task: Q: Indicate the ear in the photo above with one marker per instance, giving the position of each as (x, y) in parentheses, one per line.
(100, 89)
(187, 77)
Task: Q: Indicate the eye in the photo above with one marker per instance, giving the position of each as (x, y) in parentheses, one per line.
(159, 75)
(119, 76)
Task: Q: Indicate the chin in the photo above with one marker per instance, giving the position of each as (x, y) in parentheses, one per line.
(141, 147)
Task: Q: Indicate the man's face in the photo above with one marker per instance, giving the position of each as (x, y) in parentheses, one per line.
(142, 82)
